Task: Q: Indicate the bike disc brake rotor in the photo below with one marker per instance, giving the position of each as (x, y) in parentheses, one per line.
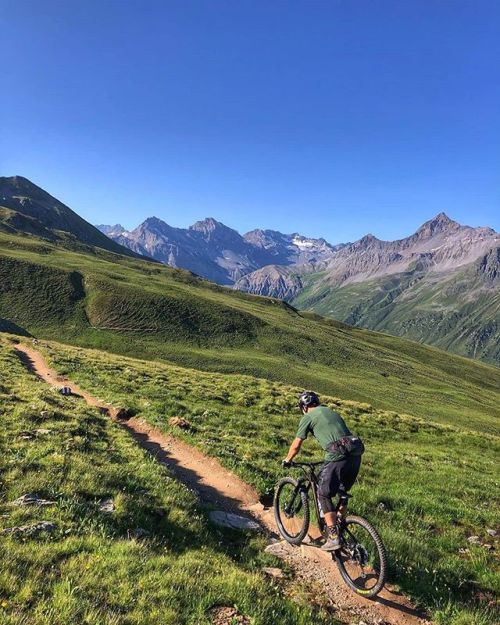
(357, 557)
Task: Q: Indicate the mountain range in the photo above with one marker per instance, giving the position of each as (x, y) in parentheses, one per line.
(441, 285)
(216, 252)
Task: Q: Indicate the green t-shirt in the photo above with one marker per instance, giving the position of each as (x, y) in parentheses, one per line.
(326, 426)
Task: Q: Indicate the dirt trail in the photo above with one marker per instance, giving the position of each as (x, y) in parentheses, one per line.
(217, 486)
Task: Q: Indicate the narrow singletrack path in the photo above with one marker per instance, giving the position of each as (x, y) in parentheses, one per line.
(220, 488)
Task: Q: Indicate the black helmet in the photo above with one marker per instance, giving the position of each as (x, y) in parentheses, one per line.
(308, 398)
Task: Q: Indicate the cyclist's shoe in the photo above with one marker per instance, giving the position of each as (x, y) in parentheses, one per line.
(332, 542)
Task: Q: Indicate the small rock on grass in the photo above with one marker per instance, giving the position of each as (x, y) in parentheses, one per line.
(226, 615)
(107, 505)
(273, 571)
(179, 422)
(492, 533)
(30, 530)
(32, 499)
(138, 533)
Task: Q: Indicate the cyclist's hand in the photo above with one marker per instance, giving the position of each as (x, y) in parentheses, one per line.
(286, 464)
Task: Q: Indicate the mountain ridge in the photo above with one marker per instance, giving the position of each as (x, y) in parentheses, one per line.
(28, 209)
(217, 252)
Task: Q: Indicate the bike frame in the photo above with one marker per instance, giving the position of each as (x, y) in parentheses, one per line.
(308, 482)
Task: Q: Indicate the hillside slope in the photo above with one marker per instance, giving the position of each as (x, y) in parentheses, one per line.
(247, 423)
(25, 208)
(126, 544)
(458, 310)
(132, 307)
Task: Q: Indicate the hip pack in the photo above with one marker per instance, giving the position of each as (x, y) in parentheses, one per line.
(347, 446)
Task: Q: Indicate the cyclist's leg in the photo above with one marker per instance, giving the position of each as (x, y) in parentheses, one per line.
(348, 471)
(329, 483)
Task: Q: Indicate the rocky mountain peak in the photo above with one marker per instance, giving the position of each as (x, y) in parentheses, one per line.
(209, 224)
(111, 231)
(154, 223)
(367, 240)
(439, 224)
(216, 233)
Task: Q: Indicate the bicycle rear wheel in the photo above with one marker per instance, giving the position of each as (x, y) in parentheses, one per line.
(362, 560)
(291, 510)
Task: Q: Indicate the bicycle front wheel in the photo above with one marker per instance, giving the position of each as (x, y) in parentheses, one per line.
(291, 510)
(362, 559)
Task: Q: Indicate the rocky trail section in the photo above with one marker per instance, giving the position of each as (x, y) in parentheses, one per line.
(221, 489)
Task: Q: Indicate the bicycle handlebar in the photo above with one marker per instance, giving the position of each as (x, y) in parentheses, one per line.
(305, 464)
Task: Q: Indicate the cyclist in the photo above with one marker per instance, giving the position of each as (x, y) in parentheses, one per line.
(341, 465)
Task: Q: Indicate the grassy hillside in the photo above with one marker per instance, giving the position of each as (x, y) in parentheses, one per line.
(132, 307)
(26, 208)
(426, 486)
(90, 568)
(458, 311)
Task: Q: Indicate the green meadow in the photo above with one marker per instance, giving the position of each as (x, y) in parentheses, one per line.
(426, 486)
(154, 559)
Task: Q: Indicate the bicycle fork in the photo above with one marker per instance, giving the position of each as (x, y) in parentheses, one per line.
(290, 508)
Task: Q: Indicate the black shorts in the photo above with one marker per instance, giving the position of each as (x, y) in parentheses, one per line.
(335, 475)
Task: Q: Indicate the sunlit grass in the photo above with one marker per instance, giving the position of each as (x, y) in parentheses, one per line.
(91, 569)
(427, 487)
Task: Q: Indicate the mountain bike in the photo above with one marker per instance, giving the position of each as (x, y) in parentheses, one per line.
(361, 560)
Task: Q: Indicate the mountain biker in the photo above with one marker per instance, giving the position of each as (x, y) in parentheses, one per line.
(340, 468)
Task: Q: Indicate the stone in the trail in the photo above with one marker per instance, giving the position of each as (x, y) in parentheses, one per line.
(32, 499)
(107, 505)
(65, 390)
(273, 571)
(233, 521)
(492, 533)
(30, 530)
(179, 422)
(277, 549)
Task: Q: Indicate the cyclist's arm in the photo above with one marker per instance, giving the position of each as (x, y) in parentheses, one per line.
(294, 449)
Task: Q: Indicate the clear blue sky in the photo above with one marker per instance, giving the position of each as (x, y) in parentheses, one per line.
(333, 118)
